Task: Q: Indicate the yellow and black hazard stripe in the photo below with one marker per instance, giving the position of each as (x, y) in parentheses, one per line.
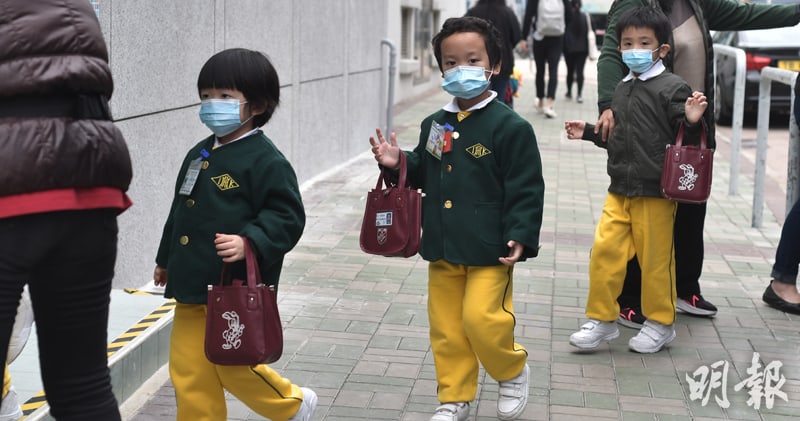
(140, 327)
(34, 403)
(39, 399)
(134, 291)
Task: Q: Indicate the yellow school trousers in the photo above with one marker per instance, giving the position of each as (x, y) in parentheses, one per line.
(200, 385)
(471, 320)
(641, 226)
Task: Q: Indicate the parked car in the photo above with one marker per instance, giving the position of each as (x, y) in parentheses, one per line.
(777, 47)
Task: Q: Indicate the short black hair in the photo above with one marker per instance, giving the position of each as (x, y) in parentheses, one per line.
(646, 17)
(491, 36)
(247, 71)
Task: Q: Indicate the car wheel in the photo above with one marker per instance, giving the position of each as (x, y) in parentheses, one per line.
(722, 114)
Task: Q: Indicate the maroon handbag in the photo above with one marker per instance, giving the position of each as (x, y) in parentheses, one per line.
(686, 175)
(392, 218)
(243, 326)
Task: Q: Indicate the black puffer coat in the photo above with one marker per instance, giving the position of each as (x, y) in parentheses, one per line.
(55, 128)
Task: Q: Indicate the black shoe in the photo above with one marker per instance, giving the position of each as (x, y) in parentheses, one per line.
(774, 301)
(697, 305)
(631, 317)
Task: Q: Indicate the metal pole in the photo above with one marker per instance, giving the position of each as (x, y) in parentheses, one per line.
(793, 167)
(390, 96)
(768, 75)
(764, 96)
(738, 110)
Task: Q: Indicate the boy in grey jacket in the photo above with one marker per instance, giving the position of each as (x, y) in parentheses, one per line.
(649, 105)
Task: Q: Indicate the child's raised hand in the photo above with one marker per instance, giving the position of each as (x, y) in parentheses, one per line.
(387, 154)
(574, 128)
(695, 107)
(230, 247)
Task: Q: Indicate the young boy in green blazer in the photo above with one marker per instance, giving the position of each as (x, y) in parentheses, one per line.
(479, 165)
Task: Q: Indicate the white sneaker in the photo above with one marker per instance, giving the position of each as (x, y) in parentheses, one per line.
(307, 407)
(539, 109)
(10, 409)
(513, 396)
(550, 113)
(454, 411)
(592, 333)
(652, 338)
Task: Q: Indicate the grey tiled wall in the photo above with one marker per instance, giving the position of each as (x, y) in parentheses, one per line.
(333, 73)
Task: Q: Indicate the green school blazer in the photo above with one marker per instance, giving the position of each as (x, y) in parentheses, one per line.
(486, 191)
(247, 188)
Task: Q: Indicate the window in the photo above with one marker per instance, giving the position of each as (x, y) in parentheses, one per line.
(407, 33)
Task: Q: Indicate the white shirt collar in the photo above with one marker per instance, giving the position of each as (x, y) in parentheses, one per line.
(452, 106)
(656, 69)
(216, 139)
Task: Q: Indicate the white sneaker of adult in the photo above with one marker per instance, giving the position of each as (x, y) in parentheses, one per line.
(592, 333)
(550, 112)
(307, 407)
(513, 395)
(453, 411)
(652, 337)
(10, 409)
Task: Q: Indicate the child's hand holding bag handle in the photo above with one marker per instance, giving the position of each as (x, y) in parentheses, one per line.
(393, 217)
(243, 326)
(687, 171)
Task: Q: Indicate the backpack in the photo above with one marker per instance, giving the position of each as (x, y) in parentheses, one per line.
(550, 18)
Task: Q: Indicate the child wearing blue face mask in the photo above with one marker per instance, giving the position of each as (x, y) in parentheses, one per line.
(235, 184)
(649, 106)
(478, 162)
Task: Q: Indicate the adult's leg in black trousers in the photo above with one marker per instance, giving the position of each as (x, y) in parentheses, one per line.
(70, 266)
(631, 295)
(580, 62)
(689, 250)
(554, 51)
(540, 58)
(15, 261)
(569, 60)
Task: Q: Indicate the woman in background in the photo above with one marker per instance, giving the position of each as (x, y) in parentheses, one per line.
(576, 48)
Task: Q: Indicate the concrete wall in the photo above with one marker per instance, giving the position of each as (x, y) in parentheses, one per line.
(333, 71)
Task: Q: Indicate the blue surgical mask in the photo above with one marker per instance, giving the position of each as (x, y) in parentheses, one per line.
(638, 60)
(465, 82)
(221, 115)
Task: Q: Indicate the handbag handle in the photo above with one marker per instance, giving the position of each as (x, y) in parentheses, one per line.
(251, 262)
(401, 181)
(679, 137)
